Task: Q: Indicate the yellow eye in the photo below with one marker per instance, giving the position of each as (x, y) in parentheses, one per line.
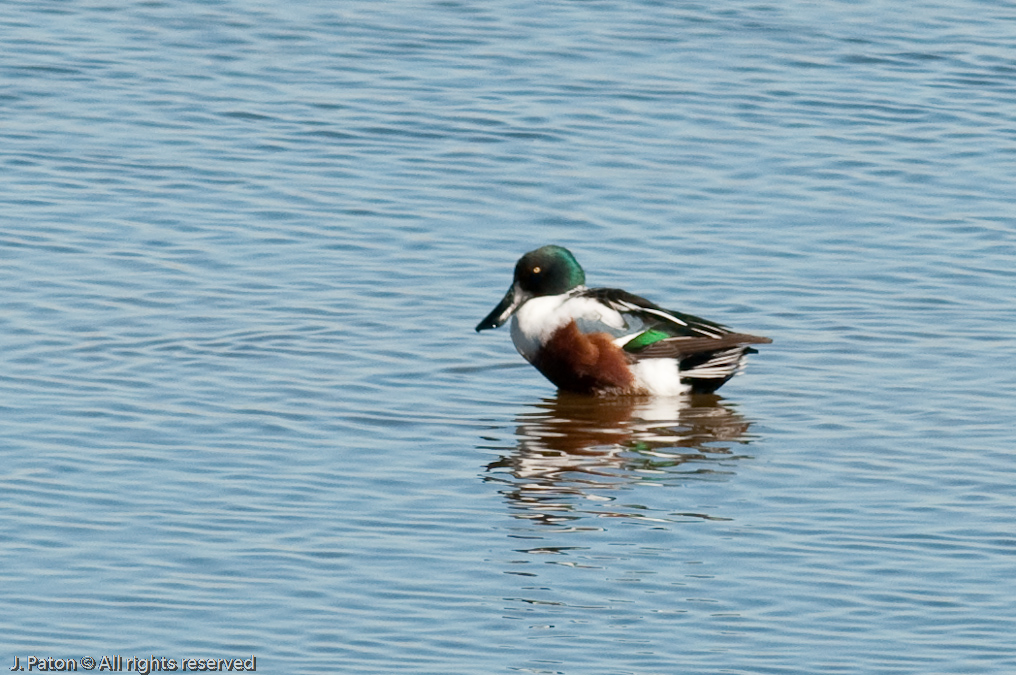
(536, 270)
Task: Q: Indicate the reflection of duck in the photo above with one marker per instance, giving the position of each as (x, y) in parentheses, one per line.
(578, 446)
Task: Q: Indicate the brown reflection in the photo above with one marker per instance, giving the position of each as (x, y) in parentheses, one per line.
(575, 451)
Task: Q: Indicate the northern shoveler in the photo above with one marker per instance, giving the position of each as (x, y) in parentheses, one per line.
(609, 341)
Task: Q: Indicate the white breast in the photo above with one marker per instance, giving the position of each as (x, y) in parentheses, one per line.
(538, 318)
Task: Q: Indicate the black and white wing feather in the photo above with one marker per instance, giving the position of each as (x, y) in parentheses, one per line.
(709, 353)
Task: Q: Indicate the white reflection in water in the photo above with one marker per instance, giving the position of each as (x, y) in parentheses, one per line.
(575, 453)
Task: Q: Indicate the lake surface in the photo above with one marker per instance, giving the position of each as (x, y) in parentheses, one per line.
(243, 410)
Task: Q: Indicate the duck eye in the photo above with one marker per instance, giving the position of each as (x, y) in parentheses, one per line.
(536, 270)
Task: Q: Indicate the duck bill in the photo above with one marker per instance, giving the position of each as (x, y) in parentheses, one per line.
(512, 300)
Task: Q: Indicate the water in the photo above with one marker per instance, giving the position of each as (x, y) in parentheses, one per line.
(244, 411)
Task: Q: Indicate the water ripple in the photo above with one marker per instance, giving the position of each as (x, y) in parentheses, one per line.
(245, 411)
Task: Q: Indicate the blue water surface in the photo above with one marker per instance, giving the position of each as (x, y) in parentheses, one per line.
(243, 410)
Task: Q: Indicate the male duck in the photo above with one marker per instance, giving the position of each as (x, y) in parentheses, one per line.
(609, 341)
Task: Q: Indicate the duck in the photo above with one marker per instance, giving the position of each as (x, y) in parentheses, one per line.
(607, 341)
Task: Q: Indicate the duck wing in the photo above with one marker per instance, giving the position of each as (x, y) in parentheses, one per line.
(651, 325)
(709, 353)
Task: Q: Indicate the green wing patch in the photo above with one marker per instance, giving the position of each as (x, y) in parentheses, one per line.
(644, 339)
